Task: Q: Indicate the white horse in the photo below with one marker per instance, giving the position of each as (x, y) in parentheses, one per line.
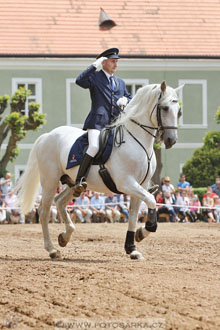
(153, 109)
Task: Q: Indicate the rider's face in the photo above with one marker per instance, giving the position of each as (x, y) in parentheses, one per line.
(110, 65)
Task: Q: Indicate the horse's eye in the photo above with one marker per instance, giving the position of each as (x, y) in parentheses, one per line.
(174, 101)
(165, 108)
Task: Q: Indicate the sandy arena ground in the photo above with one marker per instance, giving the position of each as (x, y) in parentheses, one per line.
(178, 282)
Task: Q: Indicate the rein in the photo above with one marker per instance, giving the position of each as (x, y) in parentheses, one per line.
(119, 132)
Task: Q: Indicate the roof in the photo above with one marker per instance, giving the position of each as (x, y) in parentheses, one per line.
(143, 28)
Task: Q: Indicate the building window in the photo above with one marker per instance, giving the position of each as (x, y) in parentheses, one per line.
(19, 170)
(34, 85)
(133, 85)
(194, 112)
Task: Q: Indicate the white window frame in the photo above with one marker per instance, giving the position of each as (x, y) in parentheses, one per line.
(134, 82)
(38, 85)
(68, 103)
(204, 123)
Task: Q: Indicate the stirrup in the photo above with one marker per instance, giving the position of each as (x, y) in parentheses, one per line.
(80, 187)
(153, 189)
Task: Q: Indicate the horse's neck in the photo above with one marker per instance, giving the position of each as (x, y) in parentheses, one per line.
(146, 139)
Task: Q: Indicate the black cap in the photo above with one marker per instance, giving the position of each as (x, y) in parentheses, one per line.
(109, 53)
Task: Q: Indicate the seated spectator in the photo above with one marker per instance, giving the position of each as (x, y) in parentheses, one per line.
(14, 214)
(183, 203)
(216, 190)
(169, 201)
(208, 202)
(159, 197)
(182, 185)
(6, 184)
(143, 212)
(97, 207)
(195, 208)
(167, 186)
(2, 210)
(216, 210)
(111, 208)
(209, 189)
(123, 206)
(82, 210)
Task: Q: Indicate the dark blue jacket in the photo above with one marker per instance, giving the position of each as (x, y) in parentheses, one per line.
(103, 108)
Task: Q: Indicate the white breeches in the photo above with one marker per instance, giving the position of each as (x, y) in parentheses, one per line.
(93, 137)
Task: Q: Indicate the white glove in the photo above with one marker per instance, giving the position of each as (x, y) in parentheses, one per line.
(122, 102)
(99, 61)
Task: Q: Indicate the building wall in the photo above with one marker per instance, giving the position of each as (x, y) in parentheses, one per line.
(65, 103)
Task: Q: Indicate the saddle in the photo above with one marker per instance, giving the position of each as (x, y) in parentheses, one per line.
(80, 147)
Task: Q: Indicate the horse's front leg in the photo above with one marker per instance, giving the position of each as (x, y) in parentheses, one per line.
(61, 200)
(130, 247)
(137, 191)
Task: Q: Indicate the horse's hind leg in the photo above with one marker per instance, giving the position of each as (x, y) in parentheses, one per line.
(44, 214)
(61, 200)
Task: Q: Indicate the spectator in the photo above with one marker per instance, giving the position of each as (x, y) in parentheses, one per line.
(182, 184)
(216, 210)
(216, 190)
(97, 206)
(82, 210)
(215, 184)
(6, 184)
(195, 207)
(168, 201)
(143, 212)
(167, 186)
(159, 197)
(212, 194)
(208, 202)
(2, 210)
(183, 202)
(123, 205)
(11, 202)
(111, 208)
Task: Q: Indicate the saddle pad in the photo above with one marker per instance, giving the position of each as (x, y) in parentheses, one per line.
(80, 146)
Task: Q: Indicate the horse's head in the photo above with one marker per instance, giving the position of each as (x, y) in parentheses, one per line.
(167, 113)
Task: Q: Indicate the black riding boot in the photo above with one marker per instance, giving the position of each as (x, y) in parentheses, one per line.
(81, 184)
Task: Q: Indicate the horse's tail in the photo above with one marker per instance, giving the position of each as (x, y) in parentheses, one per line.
(27, 186)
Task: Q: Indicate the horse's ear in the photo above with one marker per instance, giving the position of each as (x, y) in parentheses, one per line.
(163, 86)
(179, 88)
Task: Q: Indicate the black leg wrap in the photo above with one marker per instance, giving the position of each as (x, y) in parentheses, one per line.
(151, 223)
(129, 242)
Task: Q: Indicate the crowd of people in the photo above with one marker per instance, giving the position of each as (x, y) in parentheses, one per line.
(182, 204)
(176, 204)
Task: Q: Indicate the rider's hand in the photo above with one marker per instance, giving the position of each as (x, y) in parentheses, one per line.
(122, 102)
(99, 61)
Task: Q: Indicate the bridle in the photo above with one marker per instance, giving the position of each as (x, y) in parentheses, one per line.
(159, 129)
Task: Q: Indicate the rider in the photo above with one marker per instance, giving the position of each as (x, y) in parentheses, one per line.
(108, 93)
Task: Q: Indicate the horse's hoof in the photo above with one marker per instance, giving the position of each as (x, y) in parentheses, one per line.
(55, 255)
(139, 235)
(135, 255)
(61, 240)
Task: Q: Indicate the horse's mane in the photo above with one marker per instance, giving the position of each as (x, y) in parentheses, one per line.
(143, 100)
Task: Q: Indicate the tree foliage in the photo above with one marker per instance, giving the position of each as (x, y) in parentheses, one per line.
(15, 125)
(203, 168)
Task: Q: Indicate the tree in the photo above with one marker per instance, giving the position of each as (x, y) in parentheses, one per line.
(203, 168)
(15, 125)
